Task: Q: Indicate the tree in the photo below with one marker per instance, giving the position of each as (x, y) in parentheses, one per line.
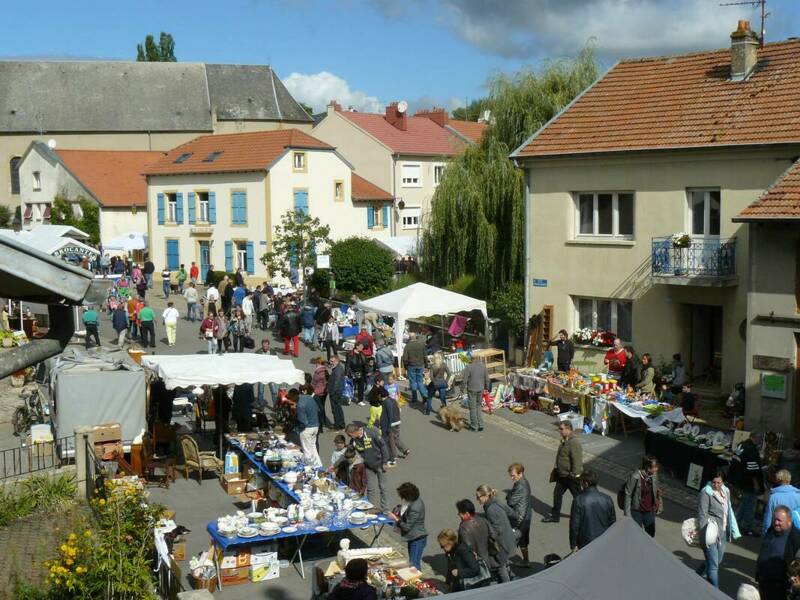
(6, 215)
(362, 265)
(63, 213)
(481, 193)
(296, 242)
(472, 111)
(164, 51)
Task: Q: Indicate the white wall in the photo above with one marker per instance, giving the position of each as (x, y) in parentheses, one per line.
(415, 197)
(118, 221)
(54, 179)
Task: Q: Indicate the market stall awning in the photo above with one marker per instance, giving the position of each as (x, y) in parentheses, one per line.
(183, 371)
(403, 245)
(420, 300)
(127, 242)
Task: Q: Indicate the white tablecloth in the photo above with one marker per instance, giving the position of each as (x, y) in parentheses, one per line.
(675, 415)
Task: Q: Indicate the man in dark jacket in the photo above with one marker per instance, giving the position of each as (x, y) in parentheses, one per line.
(289, 327)
(565, 350)
(148, 269)
(369, 444)
(336, 391)
(778, 548)
(569, 464)
(518, 500)
(592, 513)
(746, 467)
(414, 363)
(474, 530)
(307, 320)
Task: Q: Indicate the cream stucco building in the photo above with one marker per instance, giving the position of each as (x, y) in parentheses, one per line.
(656, 148)
(216, 200)
(117, 105)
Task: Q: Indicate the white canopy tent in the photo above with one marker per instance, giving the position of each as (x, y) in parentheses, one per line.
(183, 371)
(404, 245)
(419, 300)
(127, 242)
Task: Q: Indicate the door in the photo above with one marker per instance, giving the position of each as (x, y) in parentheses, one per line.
(205, 258)
(704, 217)
(706, 343)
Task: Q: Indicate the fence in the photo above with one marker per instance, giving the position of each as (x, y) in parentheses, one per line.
(31, 458)
(704, 257)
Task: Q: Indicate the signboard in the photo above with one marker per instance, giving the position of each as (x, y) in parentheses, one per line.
(323, 261)
(695, 476)
(773, 385)
(771, 363)
(540, 283)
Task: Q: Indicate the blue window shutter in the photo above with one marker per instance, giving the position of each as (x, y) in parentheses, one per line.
(160, 209)
(370, 217)
(251, 258)
(173, 254)
(385, 217)
(243, 208)
(229, 256)
(179, 208)
(192, 218)
(212, 208)
(235, 208)
(301, 201)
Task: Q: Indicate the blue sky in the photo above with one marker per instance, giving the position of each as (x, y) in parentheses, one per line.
(368, 52)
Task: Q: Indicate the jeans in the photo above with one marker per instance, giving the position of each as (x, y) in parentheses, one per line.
(710, 568)
(358, 388)
(323, 418)
(376, 488)
(308, 441)
(91, 332)
(191, 311)
(395, 444)
(212, 345)
(148, 331)
(330, 348)
(415, 383)
(133, 328)
(238, 343)
(746, 512)
(475, 412)
(338, 413)
(645, 520)
(415, 549)
(148, 277)
(172, 332)
(441, 388)
(562, 485)
(166, 288)
(308, 336)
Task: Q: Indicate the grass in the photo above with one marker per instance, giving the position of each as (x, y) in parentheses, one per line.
(34, 494)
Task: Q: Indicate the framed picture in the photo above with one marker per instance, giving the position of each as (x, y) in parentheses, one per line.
(773, 385)
(695, 476)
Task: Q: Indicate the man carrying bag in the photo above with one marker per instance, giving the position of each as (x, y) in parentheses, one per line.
(569, 465)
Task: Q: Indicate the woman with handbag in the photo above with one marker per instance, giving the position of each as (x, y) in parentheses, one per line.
(716, 523)
(500, 530)
(465, 571)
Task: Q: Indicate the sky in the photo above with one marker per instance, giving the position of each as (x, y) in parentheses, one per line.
(367, 53)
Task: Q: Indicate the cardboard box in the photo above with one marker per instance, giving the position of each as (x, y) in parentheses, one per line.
(179, 549)
(265, 571)
(235, 576)
(110, 432)
(235, 558)
(263, 557)
(233, 484)
(109, 450)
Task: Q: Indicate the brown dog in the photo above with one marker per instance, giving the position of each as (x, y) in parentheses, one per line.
(451, 417)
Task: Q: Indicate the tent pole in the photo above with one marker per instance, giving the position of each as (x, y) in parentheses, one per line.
(442, 331)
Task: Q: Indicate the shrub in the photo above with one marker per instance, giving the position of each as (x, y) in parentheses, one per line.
(36, 493)
(508, 304)
(362, 266)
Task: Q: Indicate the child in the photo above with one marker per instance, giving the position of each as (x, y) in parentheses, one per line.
(352, 471)
(390, 430)
(339, 447)
(376, 396)
(688, 399)
(392, 388)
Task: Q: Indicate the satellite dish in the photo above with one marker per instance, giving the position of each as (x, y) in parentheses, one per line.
(51, 143)
(402, 106)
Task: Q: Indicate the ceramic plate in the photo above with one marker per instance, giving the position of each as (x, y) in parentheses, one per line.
(321, 528)
(363, 505)
(247, 532)
(289, 530)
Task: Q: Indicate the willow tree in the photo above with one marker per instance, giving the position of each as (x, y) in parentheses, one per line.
(476, 224)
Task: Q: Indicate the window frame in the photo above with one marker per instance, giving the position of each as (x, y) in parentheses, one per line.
(410, 183)
(377, 216)
(171, 207)
(199, 215)
(437, 178)
(689, 224)
(240, 252)
(615, 216)
(410, 212)
(13, 172)
(338, 186)
(303, 168)
(37, 181)
(614, 325)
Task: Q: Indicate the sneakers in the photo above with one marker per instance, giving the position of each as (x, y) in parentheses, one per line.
(362, 403)
(551, 519)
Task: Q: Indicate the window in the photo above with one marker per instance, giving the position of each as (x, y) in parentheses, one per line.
(605, 315)
(239, 208)
(438, 173)
(605, 214)
(182, 158)
(172, 208)
(704, 212)
(299, 161)
(37, 181)
(241, 255)
(301, 201)
(338, 191)
(411, 218)
(213, 156)
(202, 203)
(377, 217)
(13, 166)
(411, 175)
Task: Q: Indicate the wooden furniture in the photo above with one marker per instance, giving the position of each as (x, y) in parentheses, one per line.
(540, 334)
(151, 463)
(495, 360)
(195, 460)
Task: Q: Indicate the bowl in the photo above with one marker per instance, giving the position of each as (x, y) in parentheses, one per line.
(228, 533)
(256, 517)
(358, 517)
(279, 520)
(290, 477)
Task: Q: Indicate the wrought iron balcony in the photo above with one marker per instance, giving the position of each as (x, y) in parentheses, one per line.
(705, 261)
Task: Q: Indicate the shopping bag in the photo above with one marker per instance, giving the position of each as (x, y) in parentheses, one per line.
(348, 388)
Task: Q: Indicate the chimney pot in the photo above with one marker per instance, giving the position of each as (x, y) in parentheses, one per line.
(396, 118)
(744, 51)
(437, 115)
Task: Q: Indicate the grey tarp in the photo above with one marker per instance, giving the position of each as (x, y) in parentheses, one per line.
(95, 388)
(622, 563)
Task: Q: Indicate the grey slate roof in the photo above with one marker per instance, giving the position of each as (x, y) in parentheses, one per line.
(88, 96)
(252, 93)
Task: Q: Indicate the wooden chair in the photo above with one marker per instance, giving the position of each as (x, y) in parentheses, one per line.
(151, 463)
(198, 461)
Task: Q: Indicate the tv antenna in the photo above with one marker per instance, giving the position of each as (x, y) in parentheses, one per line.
(754, 4)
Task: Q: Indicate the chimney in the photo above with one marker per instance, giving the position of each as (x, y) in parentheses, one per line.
(334, 106)
(396, 118)
(744, 51)
(437, 115)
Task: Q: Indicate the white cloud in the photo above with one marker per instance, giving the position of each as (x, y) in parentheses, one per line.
(318, 89)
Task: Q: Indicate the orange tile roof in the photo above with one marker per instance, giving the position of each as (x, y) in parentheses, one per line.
(114, 177)
(780, 201)
(684, 101)
(469, 129)
(422, 136)
(240, 152)
(362, 190)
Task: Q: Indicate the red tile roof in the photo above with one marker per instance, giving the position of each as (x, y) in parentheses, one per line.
(366, 191)
(422, 136)
(240, 152)
(780, 201)
(684, 101)
(469, 129)
(114, 177)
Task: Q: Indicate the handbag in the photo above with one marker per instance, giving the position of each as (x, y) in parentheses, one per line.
(553, 475)
(483, 575)
(348, 388)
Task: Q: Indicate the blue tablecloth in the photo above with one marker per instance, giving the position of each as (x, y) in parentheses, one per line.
(346, 332)
(302, 529)
(262, 468)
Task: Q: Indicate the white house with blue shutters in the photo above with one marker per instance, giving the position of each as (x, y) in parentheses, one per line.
(217, 199)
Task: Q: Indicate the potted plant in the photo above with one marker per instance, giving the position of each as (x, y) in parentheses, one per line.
(680, 241)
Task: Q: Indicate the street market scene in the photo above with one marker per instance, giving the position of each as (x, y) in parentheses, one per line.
(531, 332)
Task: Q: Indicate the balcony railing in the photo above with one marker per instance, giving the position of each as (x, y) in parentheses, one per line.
(706, 257)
